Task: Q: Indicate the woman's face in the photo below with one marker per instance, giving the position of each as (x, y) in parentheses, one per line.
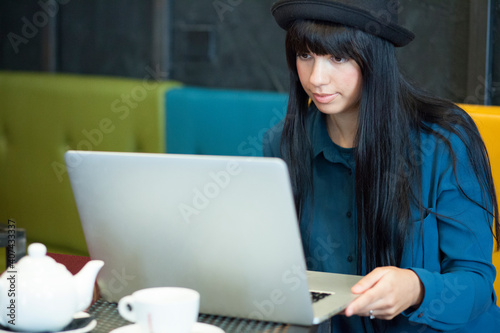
(333, 84)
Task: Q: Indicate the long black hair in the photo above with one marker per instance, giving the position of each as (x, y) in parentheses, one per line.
(387, 157)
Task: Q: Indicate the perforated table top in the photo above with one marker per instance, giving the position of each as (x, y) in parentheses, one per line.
(108, 319)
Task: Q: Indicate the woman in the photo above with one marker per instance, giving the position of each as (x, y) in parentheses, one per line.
(397, 182)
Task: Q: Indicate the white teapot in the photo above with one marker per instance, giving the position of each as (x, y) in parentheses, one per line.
(40, 295)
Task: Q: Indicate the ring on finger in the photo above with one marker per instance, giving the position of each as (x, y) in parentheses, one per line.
(372, 316)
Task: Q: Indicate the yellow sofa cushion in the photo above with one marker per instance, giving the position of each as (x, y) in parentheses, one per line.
(42, 116)
(487, 119)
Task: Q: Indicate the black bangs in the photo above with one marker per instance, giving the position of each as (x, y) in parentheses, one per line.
(323, 38)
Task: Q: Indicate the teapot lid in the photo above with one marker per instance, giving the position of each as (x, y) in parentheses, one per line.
(38, 260)
(37, 250)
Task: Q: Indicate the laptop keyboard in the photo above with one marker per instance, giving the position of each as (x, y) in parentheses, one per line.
(315, 296)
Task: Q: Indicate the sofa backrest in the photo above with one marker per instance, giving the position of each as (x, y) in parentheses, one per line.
(487, 119)
(41, 117)
(221, 122)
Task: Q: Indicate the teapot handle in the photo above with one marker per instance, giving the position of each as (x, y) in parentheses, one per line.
(126, 308)
(3, 316)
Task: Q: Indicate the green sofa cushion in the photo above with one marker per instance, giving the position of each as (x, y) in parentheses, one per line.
(42, 116)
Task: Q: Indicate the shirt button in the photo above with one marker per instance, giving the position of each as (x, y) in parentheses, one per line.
(349, 258)
(421, 315)
(348, 214)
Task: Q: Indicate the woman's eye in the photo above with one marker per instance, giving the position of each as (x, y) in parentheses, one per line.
(303, 55)
(339, 60)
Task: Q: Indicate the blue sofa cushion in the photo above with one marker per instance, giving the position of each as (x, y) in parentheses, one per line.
(220, 122)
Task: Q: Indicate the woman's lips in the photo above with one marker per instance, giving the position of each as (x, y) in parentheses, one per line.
(325, 98)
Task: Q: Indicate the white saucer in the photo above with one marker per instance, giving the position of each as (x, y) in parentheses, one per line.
(87, 328)
(197, 328)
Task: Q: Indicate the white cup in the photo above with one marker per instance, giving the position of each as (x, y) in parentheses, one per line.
(162, 310)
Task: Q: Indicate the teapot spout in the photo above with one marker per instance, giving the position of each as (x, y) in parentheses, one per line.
(85, 281)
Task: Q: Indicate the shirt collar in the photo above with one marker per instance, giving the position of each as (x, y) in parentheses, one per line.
(322, 143)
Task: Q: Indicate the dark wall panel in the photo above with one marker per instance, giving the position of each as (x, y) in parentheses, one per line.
(21, 28)
(241, 46)
(495, 86)
(437, 59)
(248, 48)
(111, 37)
(227, 43)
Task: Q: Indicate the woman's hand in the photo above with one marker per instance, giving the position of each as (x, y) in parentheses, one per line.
(386, 291)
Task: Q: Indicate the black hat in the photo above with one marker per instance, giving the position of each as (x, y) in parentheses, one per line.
(377, 17)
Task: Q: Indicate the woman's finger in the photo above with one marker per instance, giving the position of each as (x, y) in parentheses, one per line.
(369, 280)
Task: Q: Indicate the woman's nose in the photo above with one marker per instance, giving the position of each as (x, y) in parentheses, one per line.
(319, 75)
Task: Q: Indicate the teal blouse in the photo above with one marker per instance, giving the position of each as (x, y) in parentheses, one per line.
(452, 256)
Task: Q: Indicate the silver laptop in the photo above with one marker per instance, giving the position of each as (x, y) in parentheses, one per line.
(224, 226)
